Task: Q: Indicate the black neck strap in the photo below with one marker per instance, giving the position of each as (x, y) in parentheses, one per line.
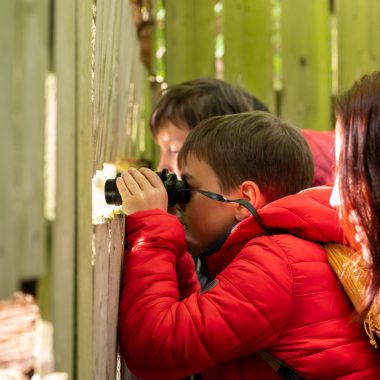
(220, 198)
(243, 202)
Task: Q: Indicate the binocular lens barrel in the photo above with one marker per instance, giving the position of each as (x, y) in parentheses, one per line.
(177, 190)
(111, 193)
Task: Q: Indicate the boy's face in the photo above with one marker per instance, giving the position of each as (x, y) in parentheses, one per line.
(170, 139)
(205, 220)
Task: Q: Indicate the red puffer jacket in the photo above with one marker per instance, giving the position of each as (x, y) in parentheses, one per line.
(321, 144)
(269, 292)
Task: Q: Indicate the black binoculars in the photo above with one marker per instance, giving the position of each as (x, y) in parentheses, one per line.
(177, 190)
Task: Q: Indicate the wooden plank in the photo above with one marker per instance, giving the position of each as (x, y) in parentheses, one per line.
(128, 151)
(96, 124)
(128, 45)
(190, 40)
(306, 63)
(34, 60)
(25, 81)
(101, 278)
(115, 261)
(358, 40)
(64, 230)
(111, 91)
(248, 50)
(8, 258)
(84, 333)
(108, 254)
(146, 143)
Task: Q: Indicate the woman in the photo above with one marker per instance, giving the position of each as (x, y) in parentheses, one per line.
(357, 186)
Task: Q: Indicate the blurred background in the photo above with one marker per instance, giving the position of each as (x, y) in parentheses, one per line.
(78, 81)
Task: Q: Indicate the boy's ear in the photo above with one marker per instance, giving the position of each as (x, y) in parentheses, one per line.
(250, 192)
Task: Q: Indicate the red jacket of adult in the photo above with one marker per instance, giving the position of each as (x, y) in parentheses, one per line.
(274, 292)
(321, 144)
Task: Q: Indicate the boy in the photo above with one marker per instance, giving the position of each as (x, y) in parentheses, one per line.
(272, 288)
(184, 105)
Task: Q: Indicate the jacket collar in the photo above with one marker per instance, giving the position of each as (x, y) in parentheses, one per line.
(307, 215)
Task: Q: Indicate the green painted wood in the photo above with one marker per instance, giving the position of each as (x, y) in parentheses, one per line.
(8, 259)
(25, 65)
(84, 283)
(64, 229)
(248, 51)
(112, 96)
(126, 54)
(96, 123)
(306, 63)
(358, 40)
(101, 279)
(146, 143)
(190, 39)
(116, 255)
(26, 32)
(108, 254)
(34, 60)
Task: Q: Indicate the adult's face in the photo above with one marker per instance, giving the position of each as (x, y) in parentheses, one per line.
(170, 139)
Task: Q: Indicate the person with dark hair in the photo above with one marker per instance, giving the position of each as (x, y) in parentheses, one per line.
(183, 106)
(357, 185)
(273, 307)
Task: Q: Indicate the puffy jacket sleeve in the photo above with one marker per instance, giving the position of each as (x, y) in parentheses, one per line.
(164, 336)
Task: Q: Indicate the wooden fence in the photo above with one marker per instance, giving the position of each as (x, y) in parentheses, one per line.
(292, 54)
(87, 53)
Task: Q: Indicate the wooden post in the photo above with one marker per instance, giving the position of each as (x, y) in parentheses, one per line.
(108, 254)
(23, 71)
(190, 40)
(248, 50)
(306, 63)
(8, 259)
(31, 136)
(64, 229)
(84, 282)
(358, 40)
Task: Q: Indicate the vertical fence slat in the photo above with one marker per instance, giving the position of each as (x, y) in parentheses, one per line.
(84, 333)
(306, 63)
(115, 260)
(31, 170)
(128, 38)
(112, 93)
(25, 65)
(248, 51)
(101, 277)
(108, 238)
(64, 234)
(117, 84)
(190, 39)
(146, 143)
(8, 258)
(358, 40)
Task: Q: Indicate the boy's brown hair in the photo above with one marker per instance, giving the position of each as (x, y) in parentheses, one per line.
(188, 103)
(255, 146)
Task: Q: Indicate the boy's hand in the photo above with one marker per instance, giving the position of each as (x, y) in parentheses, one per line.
(141, 190)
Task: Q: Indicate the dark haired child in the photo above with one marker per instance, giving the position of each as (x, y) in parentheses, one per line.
(271, 286)
(183, 106)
